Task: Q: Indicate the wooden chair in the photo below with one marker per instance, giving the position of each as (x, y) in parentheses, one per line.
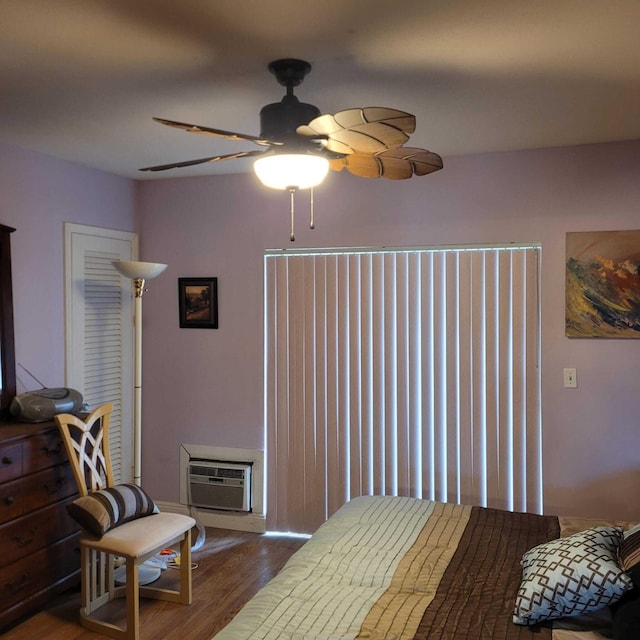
(87, 444)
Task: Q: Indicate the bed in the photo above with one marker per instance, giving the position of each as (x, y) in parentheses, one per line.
(403, 568)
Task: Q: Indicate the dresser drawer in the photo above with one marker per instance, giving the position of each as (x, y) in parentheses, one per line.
(34, 531)
(36, 490)
(10, 461)
(44, 450)
(11, 500)
(31, 574)
(49, 485)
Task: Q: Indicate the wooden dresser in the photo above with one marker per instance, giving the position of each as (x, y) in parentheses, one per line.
(39, 550)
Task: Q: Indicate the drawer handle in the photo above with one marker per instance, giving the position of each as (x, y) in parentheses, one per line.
(24, 542)
(58, 486)
(14, 587)
(52, 451)
(7, 460)
(9, 500)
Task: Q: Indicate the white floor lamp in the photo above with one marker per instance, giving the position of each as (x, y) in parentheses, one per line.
(138, 272)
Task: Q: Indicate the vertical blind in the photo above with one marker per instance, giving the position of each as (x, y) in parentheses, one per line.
(409, 372)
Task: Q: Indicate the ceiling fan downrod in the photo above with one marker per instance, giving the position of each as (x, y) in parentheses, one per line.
(279, 120)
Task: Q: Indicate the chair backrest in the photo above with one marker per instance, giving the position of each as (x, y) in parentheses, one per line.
(87, 445)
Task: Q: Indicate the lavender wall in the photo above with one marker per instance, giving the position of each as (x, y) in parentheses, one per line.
(205, 386)
(37, 195)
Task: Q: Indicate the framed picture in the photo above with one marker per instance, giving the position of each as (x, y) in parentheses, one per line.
(603, 284)
(198, 302)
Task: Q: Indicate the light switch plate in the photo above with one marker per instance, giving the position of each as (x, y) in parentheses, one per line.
(570, 378)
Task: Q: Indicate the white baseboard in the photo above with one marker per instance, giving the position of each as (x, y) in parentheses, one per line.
(219, 519)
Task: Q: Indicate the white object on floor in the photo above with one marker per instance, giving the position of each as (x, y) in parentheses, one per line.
(146, 574)
(202, 534)
(156, 561)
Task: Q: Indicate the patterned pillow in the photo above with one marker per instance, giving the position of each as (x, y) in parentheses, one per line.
(570, 576)
(108, 508)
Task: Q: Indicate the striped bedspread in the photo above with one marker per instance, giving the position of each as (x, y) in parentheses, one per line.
(400, 568)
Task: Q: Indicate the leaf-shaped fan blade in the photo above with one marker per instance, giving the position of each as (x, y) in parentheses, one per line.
(190, 163)
(394, 164)
(367, 130)
(219, 133)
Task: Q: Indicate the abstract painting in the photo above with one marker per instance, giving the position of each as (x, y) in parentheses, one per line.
(603, 284)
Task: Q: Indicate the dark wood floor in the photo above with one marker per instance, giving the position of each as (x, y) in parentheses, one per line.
(232, 566)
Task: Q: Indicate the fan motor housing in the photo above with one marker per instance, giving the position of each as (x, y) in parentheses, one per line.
(279, 120)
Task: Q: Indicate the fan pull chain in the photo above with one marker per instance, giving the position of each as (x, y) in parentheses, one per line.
(292, 235)
(312, 224)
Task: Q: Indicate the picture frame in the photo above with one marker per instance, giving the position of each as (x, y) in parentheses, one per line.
(198, 303)
(602, 286)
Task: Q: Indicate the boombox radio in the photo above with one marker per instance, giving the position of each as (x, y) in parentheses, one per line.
(43, 404)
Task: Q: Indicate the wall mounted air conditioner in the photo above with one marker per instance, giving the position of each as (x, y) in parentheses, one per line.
(214, 484)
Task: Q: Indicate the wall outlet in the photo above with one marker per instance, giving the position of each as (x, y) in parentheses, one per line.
(570, 378)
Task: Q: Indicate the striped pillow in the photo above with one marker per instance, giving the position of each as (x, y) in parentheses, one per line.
(108, 508)
(630, 548)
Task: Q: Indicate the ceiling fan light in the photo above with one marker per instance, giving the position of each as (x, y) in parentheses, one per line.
(291, 170)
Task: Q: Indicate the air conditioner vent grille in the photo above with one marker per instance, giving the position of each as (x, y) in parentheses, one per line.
(230, 473)
(203, 471)
(218, 472)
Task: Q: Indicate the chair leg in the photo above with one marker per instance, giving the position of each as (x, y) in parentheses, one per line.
(133, 601)
(185, 569)
(86, 581)
(182, 592)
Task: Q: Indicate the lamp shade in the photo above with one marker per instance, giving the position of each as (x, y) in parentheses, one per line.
(134, 269)
(291, 170)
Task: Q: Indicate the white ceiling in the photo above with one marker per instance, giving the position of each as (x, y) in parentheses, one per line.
(81, 79)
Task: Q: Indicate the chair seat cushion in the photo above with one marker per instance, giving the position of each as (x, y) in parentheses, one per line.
(111, 507)
(138, 538)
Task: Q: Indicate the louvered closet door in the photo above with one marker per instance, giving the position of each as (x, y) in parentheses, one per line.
(99, 330)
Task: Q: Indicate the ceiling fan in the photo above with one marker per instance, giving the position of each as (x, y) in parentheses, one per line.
(300, 145)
